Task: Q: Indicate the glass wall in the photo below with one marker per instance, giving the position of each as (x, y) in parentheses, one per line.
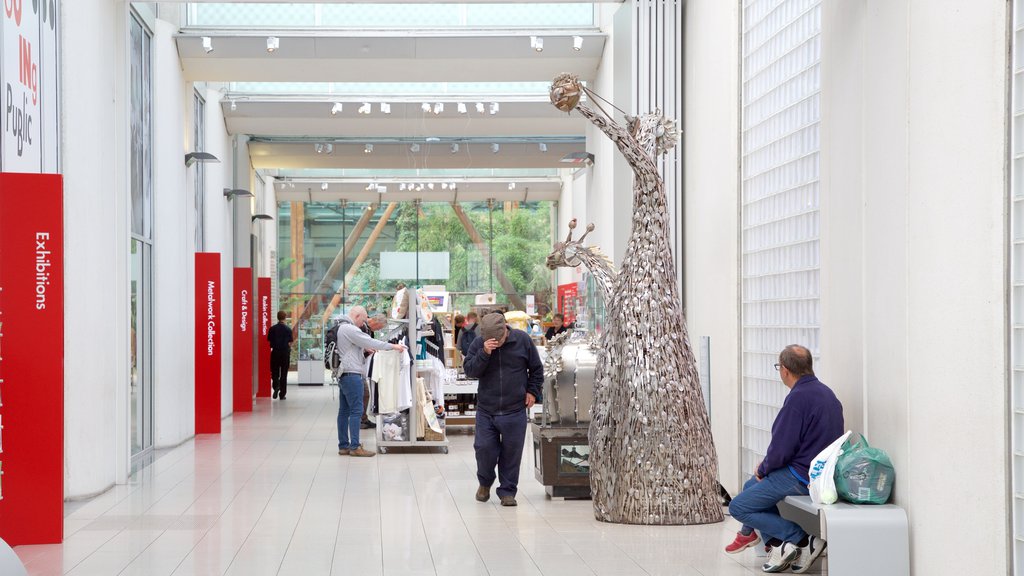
(469, 248)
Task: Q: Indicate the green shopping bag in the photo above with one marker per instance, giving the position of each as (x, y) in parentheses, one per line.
(864, 475)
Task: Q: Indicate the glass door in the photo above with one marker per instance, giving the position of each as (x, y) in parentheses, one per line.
(141, 377)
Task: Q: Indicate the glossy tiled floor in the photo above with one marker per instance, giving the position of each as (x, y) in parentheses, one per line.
(270, 495)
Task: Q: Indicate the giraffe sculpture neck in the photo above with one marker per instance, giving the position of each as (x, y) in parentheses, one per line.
(601, 267)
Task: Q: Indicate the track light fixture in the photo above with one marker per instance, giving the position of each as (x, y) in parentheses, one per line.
(511, 185)
(323, 148)
(480, 107)
(234, 105)
(382, 189)
(537, 43)
(368, 149)
(444, 185)
(451, 186)
(455, 147)
(494, 108)
(438, 108)
(401, 186)
(495, 148)
(462, 107)
(385, 108)
(414, 147)
(273, 43)
(207, 44)
(577, 43)
(543, 147)
(365, 108)
(370, 186)
(336, 108)
(425, 107)
(323, 186)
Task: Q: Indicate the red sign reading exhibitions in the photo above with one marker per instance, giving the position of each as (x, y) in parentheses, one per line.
(31, 359)
(208, 326)
(242, 343)
(265, 312)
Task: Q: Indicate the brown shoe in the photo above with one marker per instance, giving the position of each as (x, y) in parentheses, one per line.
(343, 452)
(360, 453)
(483, 494)
(508, 501)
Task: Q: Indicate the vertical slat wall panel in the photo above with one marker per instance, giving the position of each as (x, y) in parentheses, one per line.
(780, 115)
(1017, 284)
(657, 77)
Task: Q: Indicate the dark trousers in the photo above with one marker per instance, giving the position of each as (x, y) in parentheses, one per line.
(279, 372)
(499, 440)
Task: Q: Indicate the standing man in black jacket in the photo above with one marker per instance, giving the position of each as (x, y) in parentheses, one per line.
(280, 338)
(510, 375)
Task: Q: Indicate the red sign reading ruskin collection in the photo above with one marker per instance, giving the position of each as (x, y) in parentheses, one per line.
(31, 359)
(208, 326)
(242, 342)
(265, 312)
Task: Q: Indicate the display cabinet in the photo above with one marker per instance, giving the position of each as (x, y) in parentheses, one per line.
(311, 352)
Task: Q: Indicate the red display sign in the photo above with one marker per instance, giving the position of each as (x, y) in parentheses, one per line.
(31, 359)
(208, 326)
(266, 312)
(242, 342)
(567, 301)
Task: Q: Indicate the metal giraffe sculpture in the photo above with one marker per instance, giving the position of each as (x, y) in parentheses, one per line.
(652, 459)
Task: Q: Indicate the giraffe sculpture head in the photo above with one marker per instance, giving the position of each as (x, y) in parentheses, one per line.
(566, 254)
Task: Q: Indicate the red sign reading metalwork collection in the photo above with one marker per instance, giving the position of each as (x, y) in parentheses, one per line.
(208, 326)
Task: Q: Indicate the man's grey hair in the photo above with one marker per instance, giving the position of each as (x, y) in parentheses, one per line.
(357, 311)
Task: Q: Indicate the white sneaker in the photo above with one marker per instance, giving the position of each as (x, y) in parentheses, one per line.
(808, 554)
(780, 557)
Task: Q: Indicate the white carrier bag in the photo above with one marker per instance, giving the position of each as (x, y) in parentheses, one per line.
(823, 470)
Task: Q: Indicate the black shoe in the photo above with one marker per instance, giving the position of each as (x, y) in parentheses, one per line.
(508, 501)
(282, 397)
(275, 395)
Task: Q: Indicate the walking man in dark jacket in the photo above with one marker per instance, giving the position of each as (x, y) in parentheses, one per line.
(280, 338)
(811, 418)
(510, 375)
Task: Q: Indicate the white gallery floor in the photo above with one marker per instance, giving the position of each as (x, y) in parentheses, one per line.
(270, 495)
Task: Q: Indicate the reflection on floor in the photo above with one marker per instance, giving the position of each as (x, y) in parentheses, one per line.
(270, 495)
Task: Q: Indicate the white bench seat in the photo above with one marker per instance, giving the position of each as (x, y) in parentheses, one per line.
(868, 539)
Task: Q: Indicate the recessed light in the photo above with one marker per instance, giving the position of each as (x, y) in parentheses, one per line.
(537, 43)
(495, 148)
(207, 44)
(337, 108)
(273, 43)
(577, 43)
(368, 149)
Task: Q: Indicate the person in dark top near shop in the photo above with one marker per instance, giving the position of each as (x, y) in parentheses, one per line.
(558, 328)
(468, 333)
(510, 375)
(280, 338)
(811, 418)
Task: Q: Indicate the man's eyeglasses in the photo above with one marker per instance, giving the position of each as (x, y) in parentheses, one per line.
(777, 366)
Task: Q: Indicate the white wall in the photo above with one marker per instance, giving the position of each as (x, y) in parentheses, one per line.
(173, 245)
(913, 293)
(94, 157)
(218, 227)
(710, 145)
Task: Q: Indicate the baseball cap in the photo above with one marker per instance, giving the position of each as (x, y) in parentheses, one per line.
(492, 326)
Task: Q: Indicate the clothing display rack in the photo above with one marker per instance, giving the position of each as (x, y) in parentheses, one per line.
(412, 327)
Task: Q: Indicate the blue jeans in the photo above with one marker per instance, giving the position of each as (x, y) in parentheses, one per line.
(757, 505)
(499, 441)
(350, 410)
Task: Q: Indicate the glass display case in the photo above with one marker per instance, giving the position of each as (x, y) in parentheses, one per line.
(310, 349)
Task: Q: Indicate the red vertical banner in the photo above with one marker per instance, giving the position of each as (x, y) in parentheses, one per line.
(567, 301)
(243, 305)
(32, 359)
(208, 326)
(266, 312)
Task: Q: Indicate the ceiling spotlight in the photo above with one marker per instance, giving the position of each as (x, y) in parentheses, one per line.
(543, 147)
(382, 189)
(337, 108)
(414, 147)
(273, 43)
(439, 107)
(444, 185)
(537, 43)
(207, 44)
(511, 185)
(401, 186)
(368, 149)
(494, 107)
(455, 147)
(462, 107)
(577, 43)
(430, 185)
(425, 107)
(365, 108)
(319, 148)
(370, 186)
(480, 107)
(193, 157)
(234, 105)
(495, 148)
(385, 108)
(451, 186)
(323, 186)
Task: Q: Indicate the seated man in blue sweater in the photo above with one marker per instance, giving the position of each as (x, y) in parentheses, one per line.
(811, 418)
(510, 375)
